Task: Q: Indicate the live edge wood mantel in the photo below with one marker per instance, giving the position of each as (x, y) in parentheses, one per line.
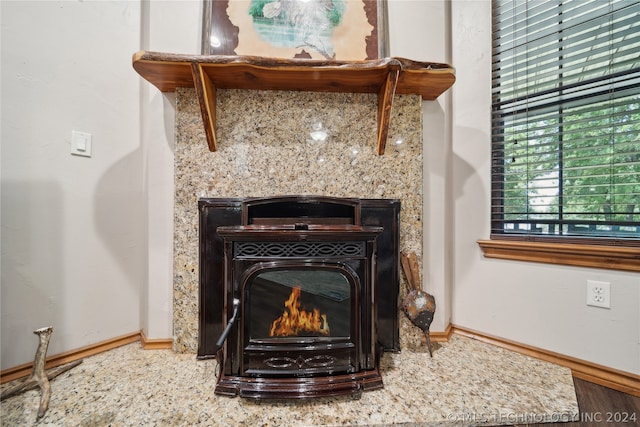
(386, 77)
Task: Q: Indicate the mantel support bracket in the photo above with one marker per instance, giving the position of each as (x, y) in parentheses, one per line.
(385, 102)
(206, 93)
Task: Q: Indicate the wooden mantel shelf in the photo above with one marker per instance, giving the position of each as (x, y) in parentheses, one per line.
(386, 77)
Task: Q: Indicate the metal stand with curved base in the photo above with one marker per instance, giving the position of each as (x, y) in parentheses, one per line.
(299, 388)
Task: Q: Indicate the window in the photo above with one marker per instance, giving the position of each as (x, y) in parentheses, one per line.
(566, 121)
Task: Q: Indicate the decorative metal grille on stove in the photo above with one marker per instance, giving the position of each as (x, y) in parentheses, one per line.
(299, 249)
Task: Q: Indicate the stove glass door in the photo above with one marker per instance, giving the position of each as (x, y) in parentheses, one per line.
(305, 303)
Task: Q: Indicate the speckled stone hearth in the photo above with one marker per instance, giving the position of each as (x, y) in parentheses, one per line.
(465, 383)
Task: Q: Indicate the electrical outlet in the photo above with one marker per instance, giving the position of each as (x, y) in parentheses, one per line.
(598, 294)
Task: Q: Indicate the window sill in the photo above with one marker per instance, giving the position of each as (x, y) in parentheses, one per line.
(624, 258)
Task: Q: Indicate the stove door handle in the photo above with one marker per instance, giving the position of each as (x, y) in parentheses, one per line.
(223, 337)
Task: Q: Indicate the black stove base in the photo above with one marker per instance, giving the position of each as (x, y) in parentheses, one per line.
(299, 388)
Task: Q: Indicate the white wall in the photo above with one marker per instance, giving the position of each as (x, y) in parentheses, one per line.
(72, 227)
(419, 30)
(536, 304)
(167, 26)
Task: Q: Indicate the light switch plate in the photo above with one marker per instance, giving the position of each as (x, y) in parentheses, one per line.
(80, 143)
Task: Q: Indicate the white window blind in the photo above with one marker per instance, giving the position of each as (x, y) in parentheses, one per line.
(566, 119)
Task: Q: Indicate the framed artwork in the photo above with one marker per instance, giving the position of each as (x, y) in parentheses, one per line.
(313, 29)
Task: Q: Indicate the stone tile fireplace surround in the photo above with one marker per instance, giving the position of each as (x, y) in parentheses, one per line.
(286, 143)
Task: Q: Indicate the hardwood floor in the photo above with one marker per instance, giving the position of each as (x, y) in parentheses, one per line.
(601, 406)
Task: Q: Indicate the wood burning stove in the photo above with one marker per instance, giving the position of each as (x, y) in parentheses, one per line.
(297, 293)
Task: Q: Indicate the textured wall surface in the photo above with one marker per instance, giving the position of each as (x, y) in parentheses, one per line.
(283, 143)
